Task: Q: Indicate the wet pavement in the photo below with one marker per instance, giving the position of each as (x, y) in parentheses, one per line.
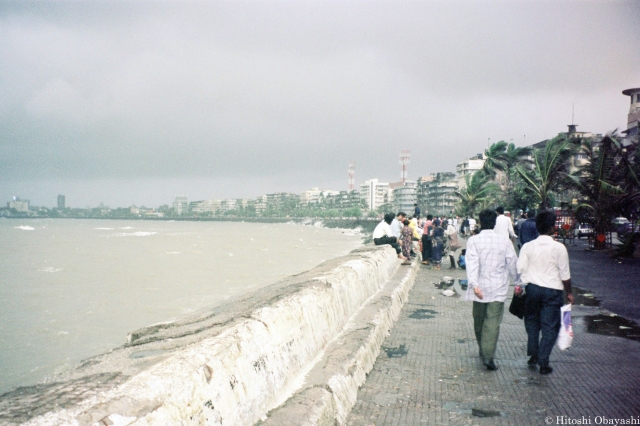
(429, 372)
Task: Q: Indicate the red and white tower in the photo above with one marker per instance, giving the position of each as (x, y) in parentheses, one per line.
(405, 155)
(352, 176)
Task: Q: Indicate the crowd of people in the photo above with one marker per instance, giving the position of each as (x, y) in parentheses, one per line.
(540, 272)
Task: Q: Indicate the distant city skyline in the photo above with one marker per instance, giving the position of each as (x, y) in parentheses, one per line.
(136, 102)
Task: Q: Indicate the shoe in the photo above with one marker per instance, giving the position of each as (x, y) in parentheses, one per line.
(491, 366)
(546, 370)
(406, 262)
(533, 360)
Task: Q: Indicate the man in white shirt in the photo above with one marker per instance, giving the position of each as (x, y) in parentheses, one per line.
(544, 267)
(383, 234)
(396, 224)
(491, 263)
(503, 224)
(472, 225)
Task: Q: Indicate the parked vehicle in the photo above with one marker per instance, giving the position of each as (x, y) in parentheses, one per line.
(628, 227)
(584, 229)
(620, 221)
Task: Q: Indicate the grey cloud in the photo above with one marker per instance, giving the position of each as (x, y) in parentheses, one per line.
(267, 96)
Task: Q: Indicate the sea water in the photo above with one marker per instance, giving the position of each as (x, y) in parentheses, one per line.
(71, 288)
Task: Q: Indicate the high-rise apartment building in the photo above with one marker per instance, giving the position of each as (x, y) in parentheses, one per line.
(61, 202)
(441, 196)
(374, 193)
(405, 197)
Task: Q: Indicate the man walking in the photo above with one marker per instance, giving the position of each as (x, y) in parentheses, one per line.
(503, 224)
(528, 230)
(544, 266)
(491, 262)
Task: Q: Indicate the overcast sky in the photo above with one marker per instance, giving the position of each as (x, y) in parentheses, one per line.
(136, 102)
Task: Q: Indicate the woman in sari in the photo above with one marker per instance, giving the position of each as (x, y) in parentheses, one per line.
(438, 244)
(406, 234)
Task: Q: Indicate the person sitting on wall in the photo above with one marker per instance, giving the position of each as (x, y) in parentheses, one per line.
(382, 235)
(396, 224)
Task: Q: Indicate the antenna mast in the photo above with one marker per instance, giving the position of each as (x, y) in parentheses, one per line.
(405, 155)
(352, 174)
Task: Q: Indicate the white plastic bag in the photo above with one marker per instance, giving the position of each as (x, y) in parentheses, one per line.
(565, 338)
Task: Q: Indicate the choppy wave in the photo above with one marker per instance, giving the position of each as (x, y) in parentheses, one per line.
(51, 269)
(135, 234)
(25, 228)
(104, 229)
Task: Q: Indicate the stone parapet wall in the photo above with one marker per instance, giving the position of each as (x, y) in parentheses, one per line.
(250, 358)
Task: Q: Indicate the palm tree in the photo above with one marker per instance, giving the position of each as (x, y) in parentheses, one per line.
(607, 183)
(478, 191)
(494, 159)
(550, 168)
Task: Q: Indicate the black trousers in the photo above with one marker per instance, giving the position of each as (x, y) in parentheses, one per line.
(426, 248)
(542, 316)
(392, 241)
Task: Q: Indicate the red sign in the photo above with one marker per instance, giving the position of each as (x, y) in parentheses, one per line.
(601, 238)
(566, 226)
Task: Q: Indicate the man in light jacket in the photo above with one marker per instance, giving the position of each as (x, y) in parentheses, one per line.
(491, 263)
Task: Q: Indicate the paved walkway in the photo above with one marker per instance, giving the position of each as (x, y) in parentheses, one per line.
(429, 372)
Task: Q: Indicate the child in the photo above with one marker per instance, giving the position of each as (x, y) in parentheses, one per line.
(461, 262)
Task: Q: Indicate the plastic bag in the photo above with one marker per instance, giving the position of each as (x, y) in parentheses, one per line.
(565, 338)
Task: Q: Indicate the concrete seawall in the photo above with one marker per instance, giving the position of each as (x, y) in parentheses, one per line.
(293, 353)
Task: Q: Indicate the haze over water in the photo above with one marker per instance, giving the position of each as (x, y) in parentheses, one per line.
(71, 289)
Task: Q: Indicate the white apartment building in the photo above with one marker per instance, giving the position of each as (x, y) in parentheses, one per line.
(261, 204)
(181, 204)
(310, 196)
(207, 206)
(21, 206)
(374, 193)
(468, 167)
(228, 204)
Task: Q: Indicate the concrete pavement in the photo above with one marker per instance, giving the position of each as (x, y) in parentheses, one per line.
(429, 372)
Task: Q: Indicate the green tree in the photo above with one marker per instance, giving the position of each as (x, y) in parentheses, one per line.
(607, 183)
(550, 168)
(478, 192)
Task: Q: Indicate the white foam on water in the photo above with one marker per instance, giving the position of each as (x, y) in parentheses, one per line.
(173, 252)
(104, 229)
(51, 269)
(25, 228)
(126, 227)
(135, 234)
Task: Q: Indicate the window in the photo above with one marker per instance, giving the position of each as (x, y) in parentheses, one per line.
(638, 99)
